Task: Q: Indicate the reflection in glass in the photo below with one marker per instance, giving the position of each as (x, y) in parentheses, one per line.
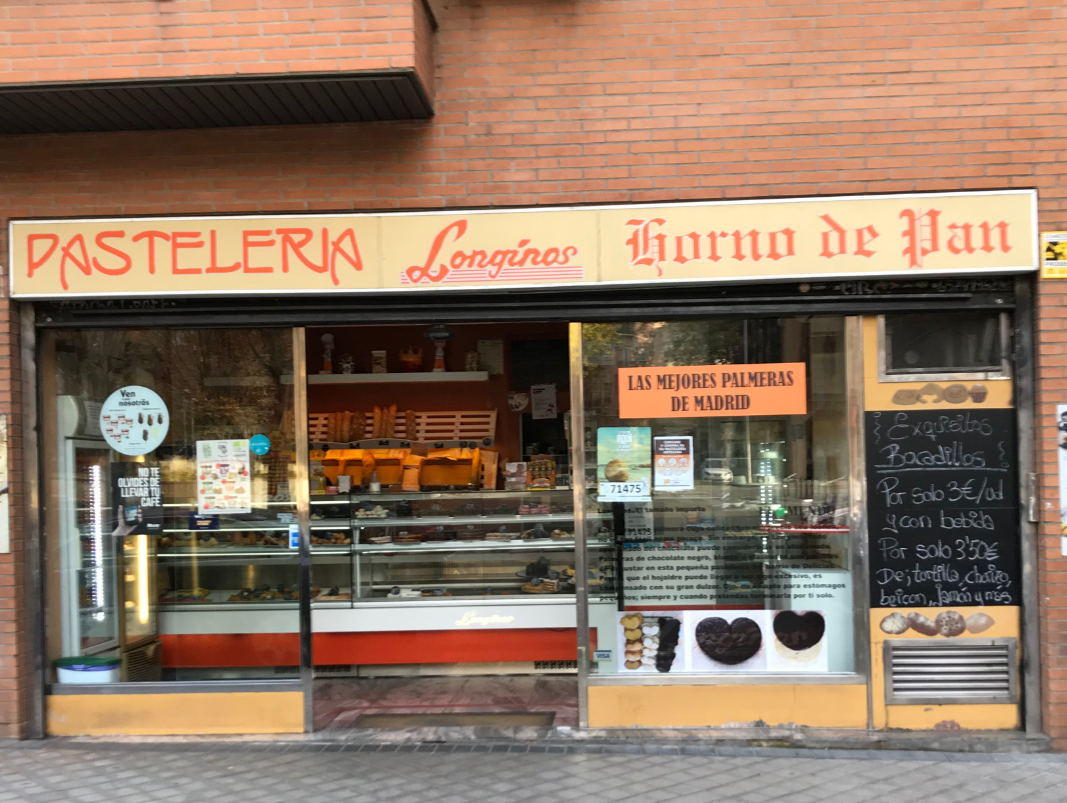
(764, 527)
(176, 582)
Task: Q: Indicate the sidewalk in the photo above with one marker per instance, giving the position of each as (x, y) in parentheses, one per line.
(203, 772)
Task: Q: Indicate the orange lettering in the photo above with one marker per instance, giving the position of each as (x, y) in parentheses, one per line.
(215, 267)
(176, 243)
(247, 244)
(152, 236)
(36, 263)
(82, 265)
(305, 237)
(352, 258)
(417, 273)
(126, 261)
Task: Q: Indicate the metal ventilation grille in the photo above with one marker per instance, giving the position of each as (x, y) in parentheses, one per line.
(143, 664)
(922, 672)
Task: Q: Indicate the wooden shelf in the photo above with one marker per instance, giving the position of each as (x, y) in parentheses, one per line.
(354, 379)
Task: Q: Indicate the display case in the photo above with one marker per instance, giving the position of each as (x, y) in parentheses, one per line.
(470, 545)
(380, 562)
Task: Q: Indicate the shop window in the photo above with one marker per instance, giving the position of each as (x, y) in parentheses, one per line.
(944, 344)
(166, 458)
(717, 463)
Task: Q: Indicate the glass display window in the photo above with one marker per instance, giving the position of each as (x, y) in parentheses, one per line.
(717, 461)
(168, 501)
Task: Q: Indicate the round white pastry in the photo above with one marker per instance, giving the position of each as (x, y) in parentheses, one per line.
(650, 630)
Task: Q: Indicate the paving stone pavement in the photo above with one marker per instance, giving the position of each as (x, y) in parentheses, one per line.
(53, 771)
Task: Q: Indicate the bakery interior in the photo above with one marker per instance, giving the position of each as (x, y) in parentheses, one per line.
(439, 523)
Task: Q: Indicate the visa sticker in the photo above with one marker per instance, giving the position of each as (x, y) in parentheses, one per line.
(601, 655)
(294, 536)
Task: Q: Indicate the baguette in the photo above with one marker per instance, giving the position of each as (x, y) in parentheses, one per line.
(376, 429)
(389, 429)
(346, 426)
(411, 426)
(359, 426)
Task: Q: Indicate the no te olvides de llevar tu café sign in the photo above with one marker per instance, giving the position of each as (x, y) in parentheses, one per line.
(813, 238)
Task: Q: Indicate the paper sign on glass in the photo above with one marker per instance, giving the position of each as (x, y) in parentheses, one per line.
(703, 391)
(624, 463)
(672, 463)
(223, 477)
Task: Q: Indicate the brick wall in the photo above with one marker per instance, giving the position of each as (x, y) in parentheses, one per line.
(580, 101)
(15, 654)
(136, 39)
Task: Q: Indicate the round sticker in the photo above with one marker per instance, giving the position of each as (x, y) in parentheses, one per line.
(259, 444)
(134, 420)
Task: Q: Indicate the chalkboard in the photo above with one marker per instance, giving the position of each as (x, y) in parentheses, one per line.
(942, 502)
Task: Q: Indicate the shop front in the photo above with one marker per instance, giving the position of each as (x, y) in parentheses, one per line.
(674, 465)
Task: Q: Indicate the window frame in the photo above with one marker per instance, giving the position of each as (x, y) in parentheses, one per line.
(885, 374)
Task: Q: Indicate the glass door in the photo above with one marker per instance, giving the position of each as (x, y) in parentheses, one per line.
(441, 525)
(169, 487)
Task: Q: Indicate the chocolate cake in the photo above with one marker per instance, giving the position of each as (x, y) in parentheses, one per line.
(728, 642)
(799, 631)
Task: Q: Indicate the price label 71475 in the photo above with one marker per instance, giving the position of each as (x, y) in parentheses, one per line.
(624, 491)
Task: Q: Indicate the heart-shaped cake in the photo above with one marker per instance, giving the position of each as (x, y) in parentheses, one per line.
(728, 642)
(799, 631)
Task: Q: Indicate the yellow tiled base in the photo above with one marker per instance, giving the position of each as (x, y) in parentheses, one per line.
(704, 706)
(175, 714)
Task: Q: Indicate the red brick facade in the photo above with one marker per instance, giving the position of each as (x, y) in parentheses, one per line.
(585, 102)
(96, 40)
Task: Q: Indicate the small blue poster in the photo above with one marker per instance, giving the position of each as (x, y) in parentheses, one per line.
(259, 444)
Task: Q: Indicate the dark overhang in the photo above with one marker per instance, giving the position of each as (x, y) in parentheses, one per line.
(215, 102)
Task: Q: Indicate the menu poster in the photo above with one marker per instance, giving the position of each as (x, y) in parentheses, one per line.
(624, 463)
(673, 463)
(543, 398)
(223, 478)
(137, 494)
(943, 516)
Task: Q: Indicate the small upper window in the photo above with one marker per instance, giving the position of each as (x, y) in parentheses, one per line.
(944, 343)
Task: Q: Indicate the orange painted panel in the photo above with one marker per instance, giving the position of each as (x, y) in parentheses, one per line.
(703, 391)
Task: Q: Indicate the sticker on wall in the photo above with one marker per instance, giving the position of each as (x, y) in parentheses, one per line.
(134, 420)
(1054, 255)
(624, 463)
(223, 479)
(672, 459)
(259, 444)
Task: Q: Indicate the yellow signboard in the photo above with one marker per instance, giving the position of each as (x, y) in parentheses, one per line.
(738, 241)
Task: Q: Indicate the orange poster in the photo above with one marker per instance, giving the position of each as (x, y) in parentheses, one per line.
(701, 391)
